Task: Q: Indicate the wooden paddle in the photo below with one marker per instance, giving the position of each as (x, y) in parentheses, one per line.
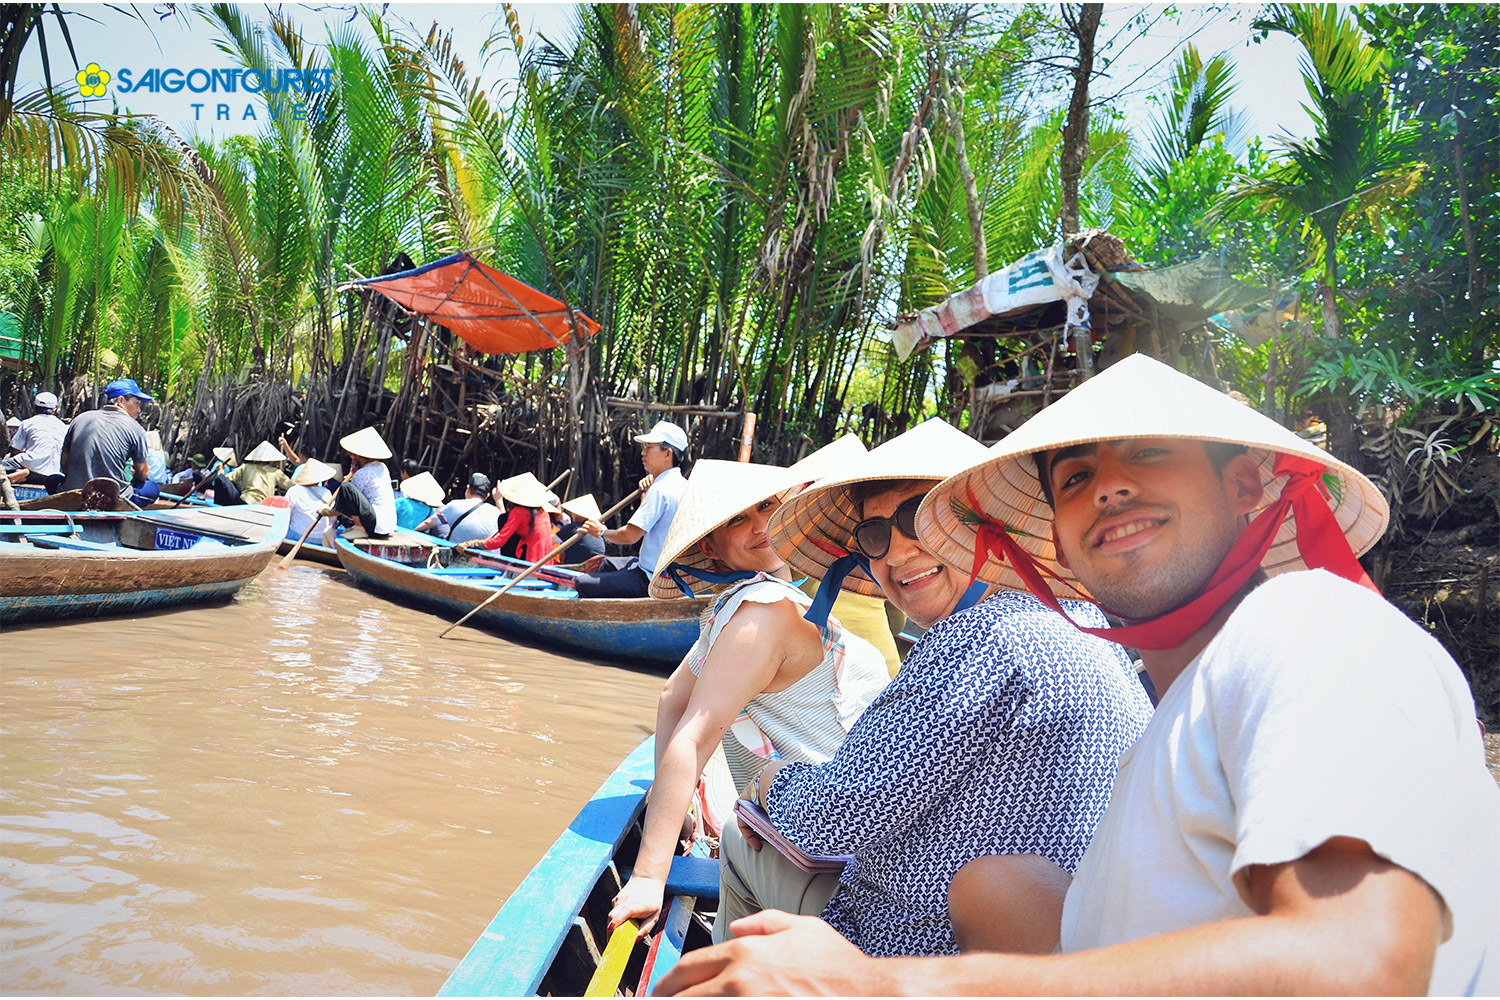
(213, 470)
(286, 560)
(536, 566)
(553, 485)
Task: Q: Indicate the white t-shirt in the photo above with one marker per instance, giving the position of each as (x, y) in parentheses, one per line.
(40, 440)
(305, 502)
(1318, 711)
(655, 514)
(475, 527)
(374, 481)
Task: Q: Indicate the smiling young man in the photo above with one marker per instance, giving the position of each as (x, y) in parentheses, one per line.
(1309, 810)
(999, 734)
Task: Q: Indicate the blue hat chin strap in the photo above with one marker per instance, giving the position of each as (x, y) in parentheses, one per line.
(833, 580)
(676, 570)
(971, 596)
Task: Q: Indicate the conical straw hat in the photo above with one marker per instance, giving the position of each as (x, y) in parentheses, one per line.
(585, 507)
(312, 472)
(525, 490)
(715, 492)
(265, 452)
(366, 443)
(816, 527)
(225, 455)
(423, 488)
(830, 457)
(153, 440)
(1134, 398)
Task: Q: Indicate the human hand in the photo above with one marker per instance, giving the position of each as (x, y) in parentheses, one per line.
(592, 527)
(776, 954)
(645, 483)
(641, 901)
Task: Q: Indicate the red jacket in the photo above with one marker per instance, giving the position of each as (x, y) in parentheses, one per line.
(534, 527)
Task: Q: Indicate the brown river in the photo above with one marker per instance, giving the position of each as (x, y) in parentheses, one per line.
(301, 792)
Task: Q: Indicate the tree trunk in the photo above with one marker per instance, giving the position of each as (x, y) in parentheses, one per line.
(1075, 140)
(1328, 292)
(966, 175)
(1471, 244)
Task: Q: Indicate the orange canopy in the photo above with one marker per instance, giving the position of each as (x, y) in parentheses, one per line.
(491, 311)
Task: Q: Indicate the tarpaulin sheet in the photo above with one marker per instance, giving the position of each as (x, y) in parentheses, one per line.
(490, 310)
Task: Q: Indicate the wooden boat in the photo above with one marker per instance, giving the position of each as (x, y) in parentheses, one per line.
(546, 610)
(60, 564)
(312, 552)
(551, 937)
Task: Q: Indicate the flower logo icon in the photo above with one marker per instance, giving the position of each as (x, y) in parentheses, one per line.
(92, 81)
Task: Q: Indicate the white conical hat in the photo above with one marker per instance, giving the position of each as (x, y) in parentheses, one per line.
(1137, 397)
(423, 488)
(265, 452)
(524, 490)
(366, 443)
(816, 527)
(715, 492)
(585, 507)
(830, 457)
(312, 472)
(225, 455)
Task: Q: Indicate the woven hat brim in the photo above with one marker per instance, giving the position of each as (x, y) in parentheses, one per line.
(813, 529)
(524, 490)
(265, 452)
(714, 494)
(366, 443)
(584, 506)
(1136, 398)
(314, 472)
(423, 488)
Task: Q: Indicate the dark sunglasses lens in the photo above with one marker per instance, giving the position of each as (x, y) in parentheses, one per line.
(906, 517)
(873, 538)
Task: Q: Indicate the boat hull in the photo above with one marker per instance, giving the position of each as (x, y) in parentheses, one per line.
(632, 628)
(39, 584)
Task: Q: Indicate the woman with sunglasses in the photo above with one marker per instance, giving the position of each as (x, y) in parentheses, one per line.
(761, 680)
(998, 737)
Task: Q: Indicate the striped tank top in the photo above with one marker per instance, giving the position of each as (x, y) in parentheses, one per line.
(809, 719)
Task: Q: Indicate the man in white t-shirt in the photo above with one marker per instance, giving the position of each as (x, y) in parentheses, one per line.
(1309, 810)
(472, 519)
(663, 450)
(36, 445)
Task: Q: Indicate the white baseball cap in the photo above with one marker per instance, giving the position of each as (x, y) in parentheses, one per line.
(665, 432)
(46, 401)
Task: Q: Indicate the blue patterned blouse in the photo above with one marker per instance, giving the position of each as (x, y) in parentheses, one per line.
(999, 736)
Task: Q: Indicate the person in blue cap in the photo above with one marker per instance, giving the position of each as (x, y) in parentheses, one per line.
(109, 443)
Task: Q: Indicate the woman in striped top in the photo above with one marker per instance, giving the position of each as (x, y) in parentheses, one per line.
(761, 678)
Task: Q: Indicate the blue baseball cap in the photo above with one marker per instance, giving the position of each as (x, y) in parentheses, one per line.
(125, 387)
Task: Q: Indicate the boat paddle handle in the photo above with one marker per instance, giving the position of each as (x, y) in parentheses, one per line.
(213, 470)
(536, 565)
(286, 560)
(566, 473)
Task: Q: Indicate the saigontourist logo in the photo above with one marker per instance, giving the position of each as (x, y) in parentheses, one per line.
(92, 81)
(284, 90)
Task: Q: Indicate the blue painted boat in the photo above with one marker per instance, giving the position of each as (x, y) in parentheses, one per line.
(543, 610)
(61, 564)
(551, 937)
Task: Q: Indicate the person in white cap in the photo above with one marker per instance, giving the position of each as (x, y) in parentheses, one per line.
(36, 445)
(1309, 811)
(663, 450)
(761, 680)
(959, 757)
(366, 495)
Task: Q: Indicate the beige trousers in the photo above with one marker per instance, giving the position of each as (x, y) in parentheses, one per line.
(751, 881)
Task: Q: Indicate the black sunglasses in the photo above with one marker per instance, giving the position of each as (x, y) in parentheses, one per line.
(872, 536)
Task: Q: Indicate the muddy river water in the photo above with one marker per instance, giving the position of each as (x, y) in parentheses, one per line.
(300, 792)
